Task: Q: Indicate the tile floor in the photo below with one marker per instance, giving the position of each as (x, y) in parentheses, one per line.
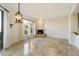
(53, 47)
(41, 46)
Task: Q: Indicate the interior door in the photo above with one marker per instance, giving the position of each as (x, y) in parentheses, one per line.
(1, 30)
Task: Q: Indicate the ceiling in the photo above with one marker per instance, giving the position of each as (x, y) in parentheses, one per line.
(45, 10)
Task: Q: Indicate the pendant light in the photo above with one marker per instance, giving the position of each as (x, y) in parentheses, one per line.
(18, 15)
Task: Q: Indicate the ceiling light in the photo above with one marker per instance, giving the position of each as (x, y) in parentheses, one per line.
(18, 15)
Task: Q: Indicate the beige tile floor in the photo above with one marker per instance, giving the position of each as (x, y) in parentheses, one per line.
(42, 46)
(53, 47)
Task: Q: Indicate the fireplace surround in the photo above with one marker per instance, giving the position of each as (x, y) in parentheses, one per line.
(40, 27)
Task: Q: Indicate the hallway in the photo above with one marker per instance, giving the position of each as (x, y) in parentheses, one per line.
(42, 46)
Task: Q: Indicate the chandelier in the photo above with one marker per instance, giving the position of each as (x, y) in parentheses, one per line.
(18, 15)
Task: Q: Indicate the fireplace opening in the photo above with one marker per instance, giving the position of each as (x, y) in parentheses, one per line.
(40, 31)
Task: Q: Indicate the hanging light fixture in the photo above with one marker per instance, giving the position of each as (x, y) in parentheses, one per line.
(18, 15)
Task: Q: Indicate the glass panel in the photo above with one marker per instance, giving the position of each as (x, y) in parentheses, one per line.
(1, 30)
(0, 22)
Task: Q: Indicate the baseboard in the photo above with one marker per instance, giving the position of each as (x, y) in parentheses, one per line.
(56, 37)
(70, 42)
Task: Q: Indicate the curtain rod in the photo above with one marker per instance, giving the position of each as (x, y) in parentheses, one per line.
(4, 8)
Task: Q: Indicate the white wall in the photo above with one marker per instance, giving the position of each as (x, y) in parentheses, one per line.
(40, 23)
(34, 29)
(14, 32)
(57, 27)
(74, 27)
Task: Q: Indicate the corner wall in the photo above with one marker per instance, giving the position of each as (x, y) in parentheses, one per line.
(57, 27)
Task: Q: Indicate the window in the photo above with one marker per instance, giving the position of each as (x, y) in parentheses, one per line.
(1, 22)
(1, 30)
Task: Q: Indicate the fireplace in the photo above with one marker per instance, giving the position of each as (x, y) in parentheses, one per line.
(39, 31)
